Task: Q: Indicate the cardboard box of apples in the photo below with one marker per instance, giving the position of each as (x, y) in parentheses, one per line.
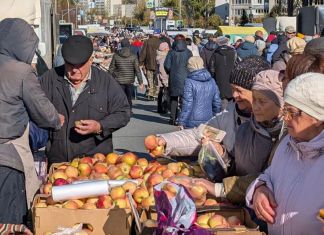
(101, 167)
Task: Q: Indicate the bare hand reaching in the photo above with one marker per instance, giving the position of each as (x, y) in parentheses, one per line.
(264, 204)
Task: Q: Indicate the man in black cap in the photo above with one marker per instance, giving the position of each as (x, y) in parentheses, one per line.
(92, 102)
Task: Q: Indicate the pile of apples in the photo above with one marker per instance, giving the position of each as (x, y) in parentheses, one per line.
(214, 221)
(118, 167)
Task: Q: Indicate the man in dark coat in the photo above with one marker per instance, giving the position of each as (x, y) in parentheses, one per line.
(175, 65)
(207, 51)
(124, 66)
(148, 60)
(220, 67)
(21, 99)
(91, 100)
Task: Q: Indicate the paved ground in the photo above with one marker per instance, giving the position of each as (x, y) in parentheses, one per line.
(144, 121)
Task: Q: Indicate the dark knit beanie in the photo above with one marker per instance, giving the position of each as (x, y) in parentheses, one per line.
(315, 46)
(244, 72)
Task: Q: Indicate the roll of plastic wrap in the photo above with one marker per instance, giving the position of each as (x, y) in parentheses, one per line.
(85, 189)
(82, 190)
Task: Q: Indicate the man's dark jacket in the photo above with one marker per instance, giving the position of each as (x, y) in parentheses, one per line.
(102, 100)
(148, 53)
(207, 51)
(175, 65)
(124, 66)
(220, 66)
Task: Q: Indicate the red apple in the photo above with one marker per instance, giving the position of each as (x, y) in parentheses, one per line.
(88, 160)
(150, 142)
(140, 194)
(114, 172)
(100, 168)
(112, 158)
(129, 187)
(154, 179)
(60, 182)
(71, 171)
(125, 168)
(129, 158)
(99, 157)
(136, 172)
(84, 169)
(142, 162)
(47, 188)
(104, 202)
(117, 192)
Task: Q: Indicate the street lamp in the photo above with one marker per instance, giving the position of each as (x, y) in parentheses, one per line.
(251, 14)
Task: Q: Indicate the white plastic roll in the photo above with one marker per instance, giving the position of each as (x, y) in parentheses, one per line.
(85, 189)
(78, 191)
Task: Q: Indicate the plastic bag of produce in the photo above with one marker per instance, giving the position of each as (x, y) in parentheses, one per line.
(212, 163)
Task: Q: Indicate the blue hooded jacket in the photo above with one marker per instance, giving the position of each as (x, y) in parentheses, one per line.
(201, 100)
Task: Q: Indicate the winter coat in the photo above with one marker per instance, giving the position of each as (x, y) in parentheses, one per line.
(185, 143)
(207, 51)
(124, 66)
(163, 77)
(148, 53)
(252, 150)
(247, 49)
(175, 65)
(21, 97)
(102, 100)
(295, 177)
(220, 65)
(282, 46)
(200, 101)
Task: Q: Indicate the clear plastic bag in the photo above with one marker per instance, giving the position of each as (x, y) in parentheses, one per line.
(212, 163)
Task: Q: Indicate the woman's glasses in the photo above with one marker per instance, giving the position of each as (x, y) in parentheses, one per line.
(289, 114)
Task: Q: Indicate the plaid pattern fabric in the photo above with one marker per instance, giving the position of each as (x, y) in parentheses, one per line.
(8, 229)
(75, 92)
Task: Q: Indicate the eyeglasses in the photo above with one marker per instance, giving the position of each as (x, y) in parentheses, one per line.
(289, 115)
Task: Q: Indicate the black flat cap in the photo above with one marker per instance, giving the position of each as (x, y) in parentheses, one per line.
(77, 49)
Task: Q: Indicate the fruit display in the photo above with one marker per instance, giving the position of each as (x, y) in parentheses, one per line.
(120, 167)
(214, 221)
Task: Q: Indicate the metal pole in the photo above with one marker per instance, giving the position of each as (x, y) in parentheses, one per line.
(76, 16)
(180, 15)
(68, 3)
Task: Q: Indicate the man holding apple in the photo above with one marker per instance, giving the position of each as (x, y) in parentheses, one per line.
(92, 102)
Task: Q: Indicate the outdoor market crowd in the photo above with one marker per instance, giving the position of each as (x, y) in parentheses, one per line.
(267, 94)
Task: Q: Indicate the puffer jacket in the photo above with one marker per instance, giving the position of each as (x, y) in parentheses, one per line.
(295, 176)
(201, 99)
(124, 66)
(247, 49)
(175, 65)
(207, 51)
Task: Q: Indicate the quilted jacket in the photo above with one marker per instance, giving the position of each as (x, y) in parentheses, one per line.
(201, 99)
